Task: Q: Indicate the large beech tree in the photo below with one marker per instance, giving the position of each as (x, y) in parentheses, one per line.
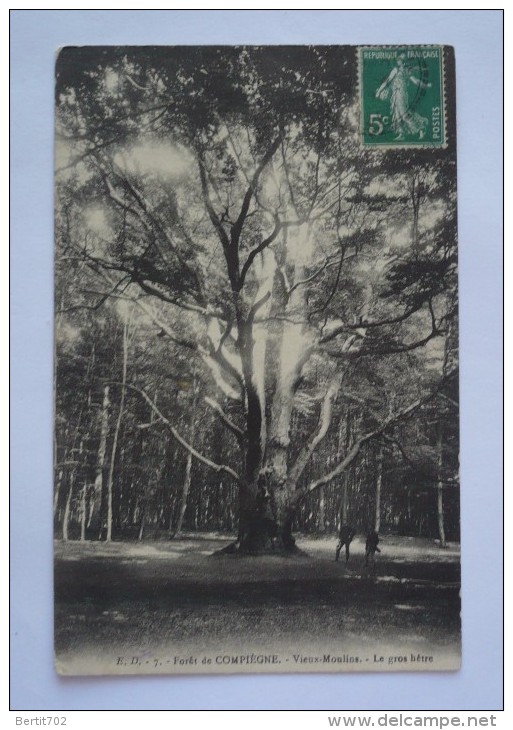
(223, 191)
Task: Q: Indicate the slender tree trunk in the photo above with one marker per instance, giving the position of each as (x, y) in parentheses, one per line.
(90, 512)
(56, 496)
(321, 518)
(67, 509)
(440, 446)
(83, 513)
(439, 489)
(186, 486)
(345, 501)
(415, 200)
(344, 439)
(379, 479)
(57, 475)
(142, 524)
(185, 493)
(96, 501)
(117, 428)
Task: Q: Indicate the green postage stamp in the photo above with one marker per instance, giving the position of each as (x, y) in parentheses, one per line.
(402, 96)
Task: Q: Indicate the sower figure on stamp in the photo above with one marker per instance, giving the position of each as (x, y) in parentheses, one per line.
(371, 547)
(345, 537)
(405, 121)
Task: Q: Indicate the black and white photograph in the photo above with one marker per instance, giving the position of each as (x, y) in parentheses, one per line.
(256, 442)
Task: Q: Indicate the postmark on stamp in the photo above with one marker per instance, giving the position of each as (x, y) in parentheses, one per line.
(402, 101)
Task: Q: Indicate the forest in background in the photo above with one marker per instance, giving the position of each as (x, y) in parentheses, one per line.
(256, 318)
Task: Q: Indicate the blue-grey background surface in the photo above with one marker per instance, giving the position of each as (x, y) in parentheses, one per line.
(477, 37)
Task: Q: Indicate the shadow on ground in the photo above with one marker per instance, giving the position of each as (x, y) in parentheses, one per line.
(177, 592)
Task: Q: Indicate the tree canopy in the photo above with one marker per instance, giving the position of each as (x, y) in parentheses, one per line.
(277, 304)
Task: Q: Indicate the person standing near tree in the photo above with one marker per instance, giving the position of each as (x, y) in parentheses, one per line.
(371, 547)
(345, 537)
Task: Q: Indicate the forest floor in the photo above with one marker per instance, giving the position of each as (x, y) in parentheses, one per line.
(171, 606)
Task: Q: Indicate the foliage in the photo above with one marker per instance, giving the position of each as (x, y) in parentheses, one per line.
(216, 202)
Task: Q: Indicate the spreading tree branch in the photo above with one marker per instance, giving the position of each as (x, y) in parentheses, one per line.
(359, 443)
(239, 223)
(411, 463)
(324, 421)
(230, 425)
(204, 460)
(214, 218)
(370, 324)
(393, 349)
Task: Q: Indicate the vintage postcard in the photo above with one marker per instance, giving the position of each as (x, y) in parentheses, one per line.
(256, 360)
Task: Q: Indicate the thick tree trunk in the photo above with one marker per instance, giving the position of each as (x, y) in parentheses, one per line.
(266, 530)
(266, 493)
(266, 515)
(274, 513)
(254, 424)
